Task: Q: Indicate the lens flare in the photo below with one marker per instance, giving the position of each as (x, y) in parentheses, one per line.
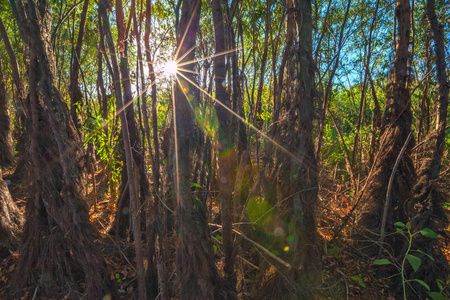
(170, 68)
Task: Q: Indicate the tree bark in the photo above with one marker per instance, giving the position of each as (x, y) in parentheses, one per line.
(6, 141)
(396, 126)
(227, 151)
(195, 259)
(58, 253)
(126, 117)
(294, 175)
(160, 213)
(11, 220)
(76, 97)
(428, 200)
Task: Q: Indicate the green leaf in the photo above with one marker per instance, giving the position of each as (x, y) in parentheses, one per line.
(436, 296)
(195, 185)
(428, 255)
(359, 280)
(414, 261)
(399, 231)
(440, 284)
(399, 224)
(381, 262)
(429, 233)
(218, 237)
(408, 225)
(422, 283)
(215, 249)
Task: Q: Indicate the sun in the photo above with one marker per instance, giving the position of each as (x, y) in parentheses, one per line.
(170, 68)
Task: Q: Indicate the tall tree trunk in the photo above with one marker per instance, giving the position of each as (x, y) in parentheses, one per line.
(10, 217)
(76, 96)
(121, 223)
(295, 174)
(152, 207)
(396, 127)
(160, 213)
(427, 210)
(58, 253)
(131, 149)
(195, 259)
(23, 159)
(227, 151)
(6, 141)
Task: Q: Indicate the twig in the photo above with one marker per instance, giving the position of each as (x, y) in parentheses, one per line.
(35, 292)
(389, 190)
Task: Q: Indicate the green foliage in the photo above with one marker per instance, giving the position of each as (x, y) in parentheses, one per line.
(359, 280)
(206, 118)
(259, 211)
(105, 141)
(382, 262)
(335, 251)
(414, 261)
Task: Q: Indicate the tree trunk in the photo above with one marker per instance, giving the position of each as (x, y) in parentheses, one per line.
(10, 217)
(158, 222)
(121, 223)
(195, 259)
(22, 143)
(227, 151)
(58, 253)
(294, 173)
(428, 200)
(11, 221)
(76, 100)
(396, 127)
(6, 141)
(127, 121)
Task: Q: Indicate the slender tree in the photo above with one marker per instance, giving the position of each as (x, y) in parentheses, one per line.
(227, 151)
(195, 260)
(75, 91)
(122, 76)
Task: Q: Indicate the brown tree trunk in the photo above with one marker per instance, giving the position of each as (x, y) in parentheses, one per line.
(121, 223)
(11, 221)
(227, 151)
(130, 137)
(21, 115)
(428, 200)
(396, 127)
(6, 141)
(294, 175)
(58, 253)
(13, 63)
(152, 206)
(76, 100)
(195, 259)
(10, 217)
(158, 222)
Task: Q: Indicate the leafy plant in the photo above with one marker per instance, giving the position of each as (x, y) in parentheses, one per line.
(414, 261)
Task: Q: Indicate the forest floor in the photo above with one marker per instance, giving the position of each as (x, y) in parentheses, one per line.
(345, 275)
